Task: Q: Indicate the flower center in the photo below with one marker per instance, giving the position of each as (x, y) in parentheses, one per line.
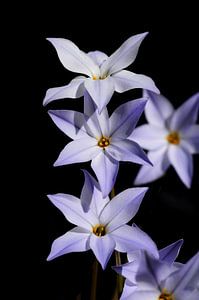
(99, 230)
(104, 142)
(165, 295)
(95, 77)
(173, 138)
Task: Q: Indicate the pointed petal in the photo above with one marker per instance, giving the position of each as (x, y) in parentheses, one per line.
(101, 91)
(74, 89)
(170, 253)
(160, 161)
(70, 122)
(80, 150)
(132, 238)
(124, 119)
(186, 275)
(106, 169)
(186, 114)
(182, 162)
(126, 150)
(102, 247)
(129, 270)
(73, 58)
(75, 240)
(98, 57)
(126, 80)
(71, 207)
(122, 208)
(127, 291)
(89, 105)
(190, 136)
(158, 109)
(149, 137)
(124, 55)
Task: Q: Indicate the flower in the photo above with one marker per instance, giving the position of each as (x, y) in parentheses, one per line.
(100, 223)
(171, 138)
(105, 74)
(150, 278)
(101, 139)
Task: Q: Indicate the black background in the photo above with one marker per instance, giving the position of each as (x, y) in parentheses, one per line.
(169, 55)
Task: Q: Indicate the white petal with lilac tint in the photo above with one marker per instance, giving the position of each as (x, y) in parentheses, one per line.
(182, 162)
(75, 240)
(102, 247)
(126, 80)
(186, 114)
(127, 291)
(123, 56)
(80, 150)
(126, 150)
(158, 109)
(128, 241)
(71, 207)
(101, 90)
(149, 136)
(73, 58)
(190, 136)
(143, 295)
(170, 253)
(122, 208)
(106, 169)
(70, 122)
(124, 119)
(160, 161)
(74, 89)
(91, 196)
(98, 57)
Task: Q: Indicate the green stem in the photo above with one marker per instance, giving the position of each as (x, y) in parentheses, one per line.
(94, 280)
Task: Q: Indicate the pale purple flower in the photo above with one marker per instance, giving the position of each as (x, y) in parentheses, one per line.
(101, 139)
(104, 74)
(150, 278)
(100, 223)
(171, 138)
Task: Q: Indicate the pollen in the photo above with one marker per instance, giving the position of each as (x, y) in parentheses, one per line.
(166, 296)
(173, 138)
(94, 77)
(104, 142)
(99, 230)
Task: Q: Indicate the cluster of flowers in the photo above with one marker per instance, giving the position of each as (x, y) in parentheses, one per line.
(171, 138)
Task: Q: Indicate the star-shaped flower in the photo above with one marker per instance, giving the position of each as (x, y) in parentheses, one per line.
(150, 278)
(171, 138)
(105, 74)
(100, 223)
(101, 139)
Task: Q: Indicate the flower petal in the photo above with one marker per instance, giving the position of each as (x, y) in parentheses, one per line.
(74, 89)
(80, 150)
(158, 109)
(124, 55)
(132, 238)
(71, 207)
(98, 57)
(126, 150)
(127, 291)
(75, 240)
(102, 247)
(70, 122)
(190, 136)
(149, 136)
(106, 169)
(73, 58)
(126, 80)
(169, 253)
(186, 114)
(122, 208)
(124, 119)
(142, 295)
(101, 91)
(182, 162)
(160, 161)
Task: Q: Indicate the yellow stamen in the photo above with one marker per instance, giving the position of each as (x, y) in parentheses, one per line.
(94, 77)
(173, 138)
(99, 230)
(104, 142)
(166, 296)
